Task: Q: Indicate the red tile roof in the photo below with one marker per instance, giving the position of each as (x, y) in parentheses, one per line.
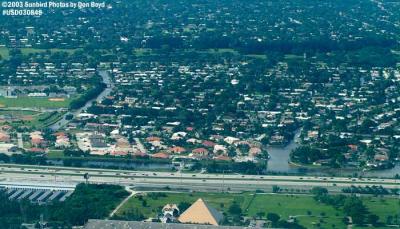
(177, 149)
(160, 155)
(209, 143)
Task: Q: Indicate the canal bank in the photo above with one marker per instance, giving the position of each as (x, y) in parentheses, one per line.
(279, 163)
(106, 79)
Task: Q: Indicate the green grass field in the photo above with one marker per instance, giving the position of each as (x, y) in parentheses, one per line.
(234, 52)
(53, 153)
(257, 56)
(35, 120)
(327, 216)
(305, 208)
(46, 119)
(30, 102)
(5, 53)
(218, 201)
(146, 51)
(308, 212)
(292, 57)
(17, 113)
(27, 51)
(142, 51)
(222, 50)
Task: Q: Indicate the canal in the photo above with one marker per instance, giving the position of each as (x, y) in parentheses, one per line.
(280, 156)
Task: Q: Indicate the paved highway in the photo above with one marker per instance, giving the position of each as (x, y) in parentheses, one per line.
(196, 182)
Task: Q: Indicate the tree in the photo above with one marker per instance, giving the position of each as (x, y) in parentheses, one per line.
(132, 214)
(389, 219)
(276, 189)
(373, 219)
(318, 191)
(273, 217)
(355, 208)
(235, 209)
(69, 116)
(4, 158)
(183, 206)
(307, 155)
(144, 203)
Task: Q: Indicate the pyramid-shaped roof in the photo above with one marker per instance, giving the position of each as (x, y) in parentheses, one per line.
(201, 213)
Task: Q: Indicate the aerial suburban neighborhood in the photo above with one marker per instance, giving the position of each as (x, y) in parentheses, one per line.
(219, 114)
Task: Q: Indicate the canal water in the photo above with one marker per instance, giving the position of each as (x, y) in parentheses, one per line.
(279, 163)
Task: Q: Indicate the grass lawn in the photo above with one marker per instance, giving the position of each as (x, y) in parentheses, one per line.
(4, 53)
(53, 153)
(234, 52)
(17, 113)
(217, 200)
(46, 119)
(27, 51)
(36, 120)
(31, 118)
(374, 227)
(383, 207)
(221, 51)
(30, 102)
(147, 52)
(27, 145)
(287, 205)
(292, 56)
(142, 51)
(299, 206)
(257, 56)
(308, 212)
(397, 53)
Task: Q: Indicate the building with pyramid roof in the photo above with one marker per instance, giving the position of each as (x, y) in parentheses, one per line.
(201, 213)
